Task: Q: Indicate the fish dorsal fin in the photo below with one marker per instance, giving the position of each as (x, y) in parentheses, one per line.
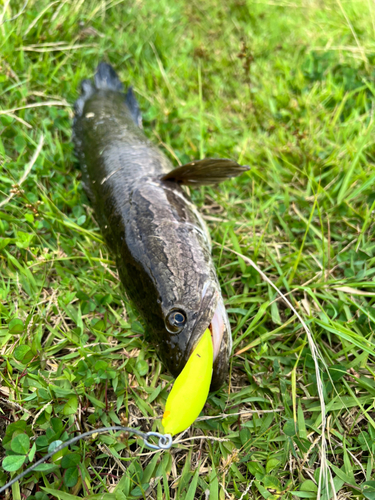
(205, 172)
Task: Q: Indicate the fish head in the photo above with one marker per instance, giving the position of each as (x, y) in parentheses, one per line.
(173, 282)
(185, 322)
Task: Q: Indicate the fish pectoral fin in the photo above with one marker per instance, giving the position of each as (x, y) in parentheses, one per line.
(205, 172)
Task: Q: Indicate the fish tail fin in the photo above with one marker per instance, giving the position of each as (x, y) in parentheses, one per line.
(106, 78)
(133, 106)
(87, 90)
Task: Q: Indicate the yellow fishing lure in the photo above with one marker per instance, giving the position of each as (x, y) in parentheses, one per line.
(190, 390)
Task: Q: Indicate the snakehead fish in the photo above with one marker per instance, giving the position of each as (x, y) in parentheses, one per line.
(159, 239)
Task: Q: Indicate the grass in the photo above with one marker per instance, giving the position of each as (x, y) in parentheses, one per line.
(286, 87)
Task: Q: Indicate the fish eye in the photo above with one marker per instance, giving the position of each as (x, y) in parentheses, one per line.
(175, 321)
(179, 318)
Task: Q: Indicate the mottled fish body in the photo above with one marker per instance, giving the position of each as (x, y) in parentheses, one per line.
(159, 239)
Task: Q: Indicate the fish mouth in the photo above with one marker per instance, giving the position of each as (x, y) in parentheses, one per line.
(222, 345)
(218, 327)
(214, 318)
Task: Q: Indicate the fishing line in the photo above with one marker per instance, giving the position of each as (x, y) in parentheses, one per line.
(165, 442)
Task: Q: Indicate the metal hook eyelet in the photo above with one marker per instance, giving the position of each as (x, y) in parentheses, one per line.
(165, 441)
